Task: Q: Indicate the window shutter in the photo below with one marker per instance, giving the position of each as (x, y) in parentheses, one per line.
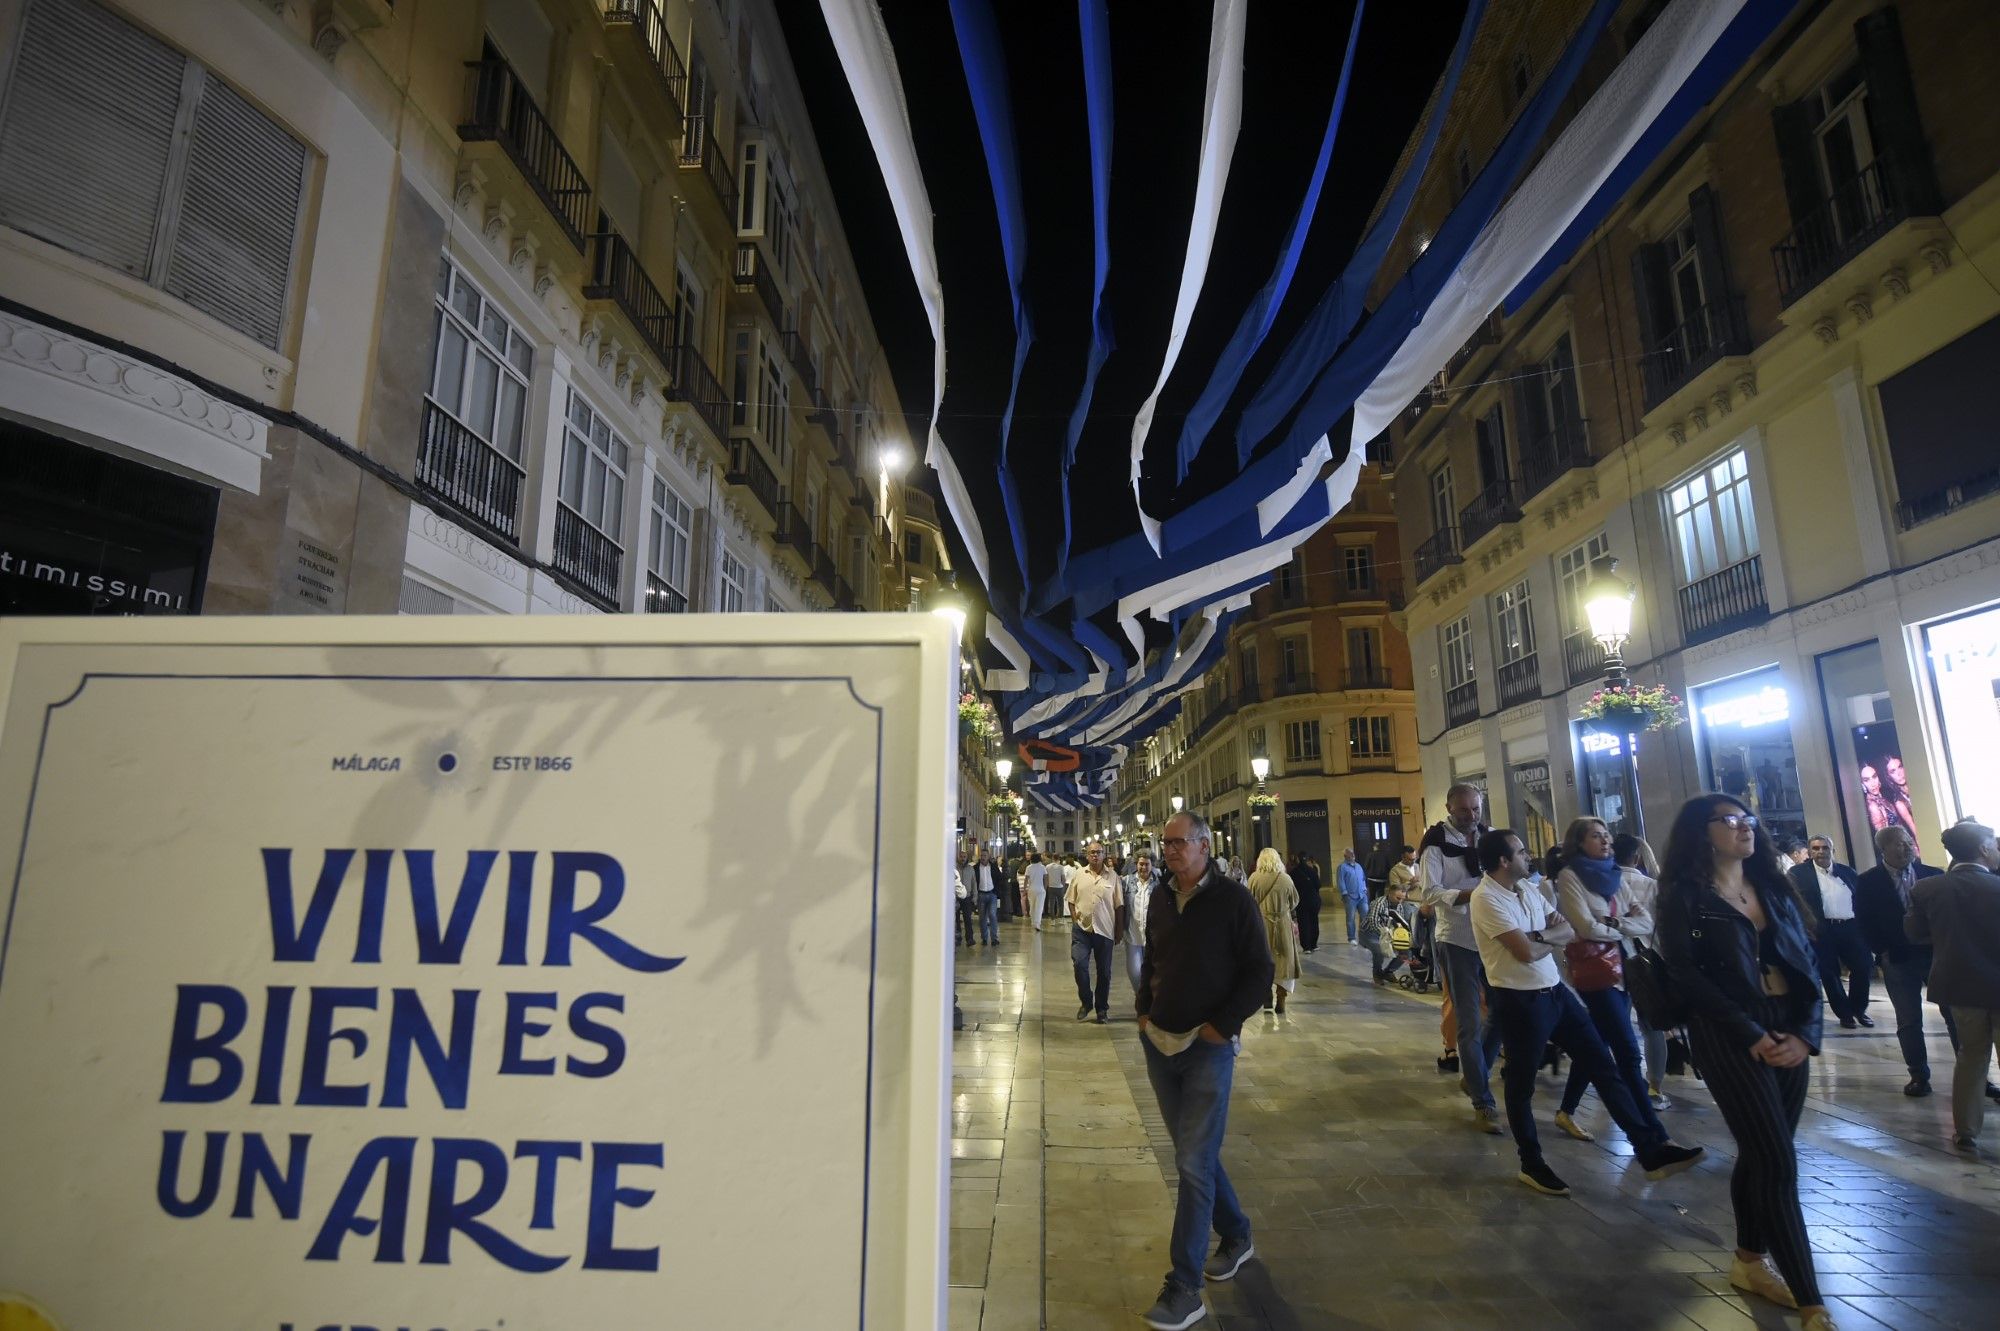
(1892, 110)
(239, 216)
(1531, 409)
(87, 133)
(1709, 258)
(1798, 159)
(1649, 285)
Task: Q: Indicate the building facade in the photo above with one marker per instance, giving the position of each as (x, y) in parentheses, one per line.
(1316, 680)
(472, 306)
(1765, 386)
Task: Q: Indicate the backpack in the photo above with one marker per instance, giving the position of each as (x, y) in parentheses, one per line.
(1653, 992)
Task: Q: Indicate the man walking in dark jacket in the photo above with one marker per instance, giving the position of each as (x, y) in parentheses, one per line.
(1306, 879)
(1829, 889)
(1881, 899)
(1207, 970)
(1959, 912)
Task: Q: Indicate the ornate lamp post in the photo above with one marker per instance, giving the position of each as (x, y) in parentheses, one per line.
(1260, 828)
(1607, 604)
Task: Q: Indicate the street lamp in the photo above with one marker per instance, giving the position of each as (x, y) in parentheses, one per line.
(1607, 604)
(946, 604)
(1260, 767)
(1005, 767)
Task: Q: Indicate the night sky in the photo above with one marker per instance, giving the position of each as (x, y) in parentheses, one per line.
(1159, 57)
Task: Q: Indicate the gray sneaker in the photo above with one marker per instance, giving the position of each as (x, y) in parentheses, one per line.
(1176, 1309)
(1487, 1119)
(1229, 1258)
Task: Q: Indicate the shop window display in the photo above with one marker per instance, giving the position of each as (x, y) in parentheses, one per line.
(1867, 749)
(1743, 737)
(1964, 657)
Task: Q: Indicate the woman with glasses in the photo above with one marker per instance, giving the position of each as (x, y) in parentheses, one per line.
(1737, 950)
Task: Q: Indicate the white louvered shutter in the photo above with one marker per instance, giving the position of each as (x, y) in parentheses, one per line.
(87, 132)
(239, 215)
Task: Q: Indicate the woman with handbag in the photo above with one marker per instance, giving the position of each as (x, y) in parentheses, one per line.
(1590, 893)
(1743, 967)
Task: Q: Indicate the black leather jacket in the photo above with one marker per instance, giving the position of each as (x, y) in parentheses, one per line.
(1711, 952)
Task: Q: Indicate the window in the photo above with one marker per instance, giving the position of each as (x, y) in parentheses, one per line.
(1681, 253)
(117, 147)
(672, 528)
(619, 192)
(735, 584)
(749, 198)
(913, 547)
(1490, 440)
(1369, 737)
(772, 605)
(1714, 527)
(593, 469)
(687, 309)
(1301, 741)
(1457, 639)
(774, 411)
(1513, 625)
(1839, 111)
(1294, 660)
(1255, 737)
(1551, 397)
(1573, 576)
(1444, 502)
(1364, 654)
(1289, 582)
(480, 364)
(1357, 566)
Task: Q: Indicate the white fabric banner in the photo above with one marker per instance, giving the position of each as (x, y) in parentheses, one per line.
(862, 41)
(1221, 118)
(1545, 204)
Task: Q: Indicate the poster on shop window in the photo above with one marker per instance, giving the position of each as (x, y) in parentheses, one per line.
(530, 974)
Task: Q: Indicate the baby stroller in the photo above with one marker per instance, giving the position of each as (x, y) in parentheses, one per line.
(1416, 945)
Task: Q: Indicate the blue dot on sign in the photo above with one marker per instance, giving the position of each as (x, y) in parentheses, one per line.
(446, 762)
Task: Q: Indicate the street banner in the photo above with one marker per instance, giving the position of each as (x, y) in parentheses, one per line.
(536, 973)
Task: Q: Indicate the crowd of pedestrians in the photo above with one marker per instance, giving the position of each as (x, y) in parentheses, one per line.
(1732, 941)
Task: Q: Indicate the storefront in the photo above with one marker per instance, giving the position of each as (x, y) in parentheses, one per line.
(1964, 665)
(1532, 805)
(1867, 749)
(1603, 778)
(87, 532)
(1743, 742)
(1306, 832)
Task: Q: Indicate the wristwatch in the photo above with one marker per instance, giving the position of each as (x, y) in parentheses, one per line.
(1535, 936)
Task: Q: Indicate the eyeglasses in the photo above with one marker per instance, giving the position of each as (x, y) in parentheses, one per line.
(1176, 842)
(1735, 819)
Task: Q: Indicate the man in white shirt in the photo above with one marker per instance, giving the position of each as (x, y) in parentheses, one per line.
(1138, 885)
(1830, 889)
(1096, 904)
(1448, 871)
(1518, 935)
(1037, 881)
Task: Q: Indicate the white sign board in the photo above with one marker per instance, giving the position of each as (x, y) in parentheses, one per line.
(526, 973)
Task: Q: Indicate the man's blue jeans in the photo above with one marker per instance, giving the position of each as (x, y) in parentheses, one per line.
(1465, 981)
(1084, 947)
(1356, 910)
(1193, 1090)
(1530, 1019)
(989, 917)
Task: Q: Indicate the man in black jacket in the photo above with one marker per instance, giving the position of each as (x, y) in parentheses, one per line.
(1306, 879)
(1829, 888)
(1207, 970)
(1881, 899)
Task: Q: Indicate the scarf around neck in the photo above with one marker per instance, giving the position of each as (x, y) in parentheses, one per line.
(1603, 877)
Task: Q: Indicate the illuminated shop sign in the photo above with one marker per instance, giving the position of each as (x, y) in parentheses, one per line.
(1767, 706)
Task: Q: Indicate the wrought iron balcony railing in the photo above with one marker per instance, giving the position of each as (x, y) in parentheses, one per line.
(662, 599)
(1461, 704)
(1711, 332)
(1285, 686)
(1495, 506)
(1583, 658)
(1564, 448)
(1860, 211)
(504, 112)
(1370, 677)
(646, 20)
(1438, 551)
(478, 479)
(1724, 601)
(748, 469)
(1520, 680)
(699, 152)
(615, 275)
(589, 557)
(692, 382)
(753, 273)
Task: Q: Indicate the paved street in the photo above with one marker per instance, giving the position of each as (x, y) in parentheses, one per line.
(1377, 1205)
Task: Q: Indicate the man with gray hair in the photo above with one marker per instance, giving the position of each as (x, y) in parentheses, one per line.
(1448, 869)
(1958, 913)
(1096, 904)
(1881, 900)
(1207, 969)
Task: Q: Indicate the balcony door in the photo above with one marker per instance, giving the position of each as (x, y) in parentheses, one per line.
(1843, 150)
(1444, 499)
(1490, 438)
(523, 34)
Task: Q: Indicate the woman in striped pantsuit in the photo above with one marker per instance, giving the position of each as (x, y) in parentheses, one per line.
(1735, 942)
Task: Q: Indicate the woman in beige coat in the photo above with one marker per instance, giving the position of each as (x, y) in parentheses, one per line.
(1279, 901)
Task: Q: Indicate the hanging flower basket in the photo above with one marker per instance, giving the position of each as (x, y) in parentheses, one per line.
(1261, 801)
(976, 718)
(1638, 707)
(1000, 804)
